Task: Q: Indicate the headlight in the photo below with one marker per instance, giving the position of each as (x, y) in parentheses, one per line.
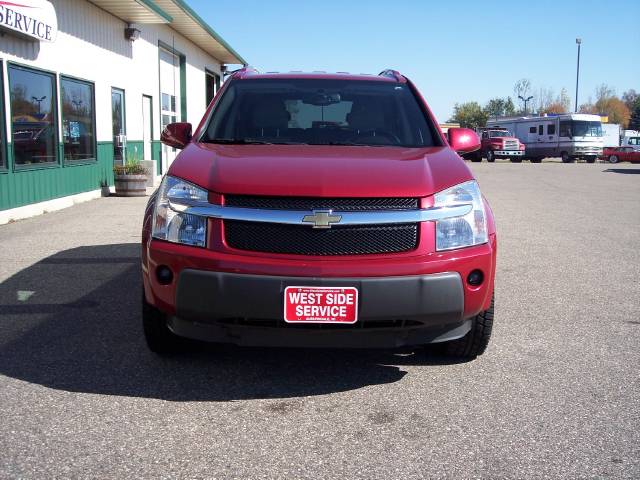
(465, 231)
(174, 226)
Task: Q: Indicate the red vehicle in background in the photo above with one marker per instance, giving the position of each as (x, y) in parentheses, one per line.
(621, 154)
(498, 143)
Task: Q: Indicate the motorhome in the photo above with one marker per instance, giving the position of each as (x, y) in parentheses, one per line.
(569, 136)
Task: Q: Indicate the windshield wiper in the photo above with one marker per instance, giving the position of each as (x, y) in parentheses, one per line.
(351, 144)
(238, 141)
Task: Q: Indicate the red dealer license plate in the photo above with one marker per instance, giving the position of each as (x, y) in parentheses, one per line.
(321, 305)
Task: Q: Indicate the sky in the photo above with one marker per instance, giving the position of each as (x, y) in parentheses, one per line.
(453, 51)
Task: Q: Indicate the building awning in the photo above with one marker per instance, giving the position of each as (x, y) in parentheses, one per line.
(179, 16)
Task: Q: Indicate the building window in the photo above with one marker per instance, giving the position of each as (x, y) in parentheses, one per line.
(212, 85)
(118, 126)
(33, 116)
(78, 120)
(168, 110)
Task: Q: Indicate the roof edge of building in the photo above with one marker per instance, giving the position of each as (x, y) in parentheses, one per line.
(196, 18)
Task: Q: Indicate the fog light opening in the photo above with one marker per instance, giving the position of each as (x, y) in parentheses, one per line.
(475, 278)
(164, 275)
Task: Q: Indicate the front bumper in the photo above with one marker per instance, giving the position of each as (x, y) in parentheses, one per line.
(582, 152)
(247, 310)
(508, 153)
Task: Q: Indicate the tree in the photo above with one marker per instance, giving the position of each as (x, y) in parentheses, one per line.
(545, 99)
(604, 91)
(607, 103)
(564, 100)
(522, 88)
(500, 107)
(629, 98)
(615, 109)
(509, 108)
(634, 121)
(555, 107)
(561, 104)
(495, 108)
(469, 115)
(588, 107)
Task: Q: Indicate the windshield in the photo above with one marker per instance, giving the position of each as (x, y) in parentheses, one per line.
(500, 133)
(580, 128)
(319, 112)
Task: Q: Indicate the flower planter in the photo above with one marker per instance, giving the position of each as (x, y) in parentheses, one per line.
(131, 185)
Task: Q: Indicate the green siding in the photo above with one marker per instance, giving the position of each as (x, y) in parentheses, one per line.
(156, 154)
(18, 188)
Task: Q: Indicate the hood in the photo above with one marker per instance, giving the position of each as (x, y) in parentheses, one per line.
(320, 170)
(501, 139)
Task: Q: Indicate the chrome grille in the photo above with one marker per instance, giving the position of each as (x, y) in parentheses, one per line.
(338, 240)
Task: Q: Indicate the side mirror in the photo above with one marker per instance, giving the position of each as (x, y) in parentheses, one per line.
(176, 135)
(463, 140)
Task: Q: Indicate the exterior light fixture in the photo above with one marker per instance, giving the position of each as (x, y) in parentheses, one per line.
(131, 33)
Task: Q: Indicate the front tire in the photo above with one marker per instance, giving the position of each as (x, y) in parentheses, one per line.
(591, 159)
(159, 338)
(566, 158)
(476, 341)
(490, 156)
(614, 159)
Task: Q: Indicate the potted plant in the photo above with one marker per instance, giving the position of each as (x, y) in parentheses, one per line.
(104, 188)
(131, 178)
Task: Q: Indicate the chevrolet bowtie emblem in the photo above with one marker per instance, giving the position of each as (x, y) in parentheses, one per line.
(322, 218)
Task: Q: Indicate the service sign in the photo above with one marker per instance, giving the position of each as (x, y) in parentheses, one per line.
(34, 18)
(321, 305)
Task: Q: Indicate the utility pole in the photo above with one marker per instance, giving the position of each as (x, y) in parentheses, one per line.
(579, 42)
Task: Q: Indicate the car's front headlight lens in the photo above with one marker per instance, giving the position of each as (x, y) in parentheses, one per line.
(457, 232)
(174, 226)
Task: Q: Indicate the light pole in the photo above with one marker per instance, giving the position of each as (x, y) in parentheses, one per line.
(579, 42)
(525, 101)
(38, 101)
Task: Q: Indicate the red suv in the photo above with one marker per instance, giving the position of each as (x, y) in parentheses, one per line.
(315, 210)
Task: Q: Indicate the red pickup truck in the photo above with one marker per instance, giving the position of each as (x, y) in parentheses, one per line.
(319, 210)
(498, 143)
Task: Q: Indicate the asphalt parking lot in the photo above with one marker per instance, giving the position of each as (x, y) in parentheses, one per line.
(557, 395)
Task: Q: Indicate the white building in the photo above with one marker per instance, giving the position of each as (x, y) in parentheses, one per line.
(86, 84)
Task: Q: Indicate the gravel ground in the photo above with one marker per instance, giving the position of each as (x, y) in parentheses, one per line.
(555, 396)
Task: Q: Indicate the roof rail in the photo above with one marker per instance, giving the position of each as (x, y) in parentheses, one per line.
(392, 74)
(243, 72)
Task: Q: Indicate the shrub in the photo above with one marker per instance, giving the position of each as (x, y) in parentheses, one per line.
(131, 167)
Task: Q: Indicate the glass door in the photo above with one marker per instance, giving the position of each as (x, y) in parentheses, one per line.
(119, 127)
